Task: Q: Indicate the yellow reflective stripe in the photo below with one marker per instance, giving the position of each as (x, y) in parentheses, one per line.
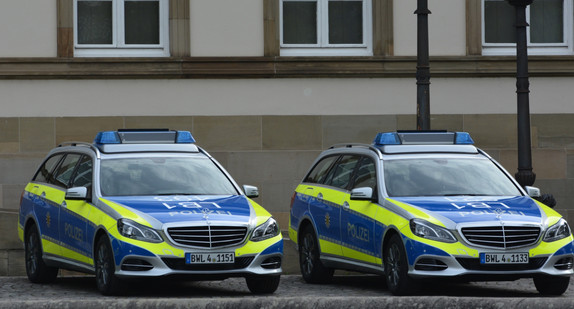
(256, 247)
(356, 255)
(553, 215)
(417, 212)
(125, 213)
(546, 248)
(50, 247)
(262, 214)
(330, 247)
(71, 254)
(293, 235)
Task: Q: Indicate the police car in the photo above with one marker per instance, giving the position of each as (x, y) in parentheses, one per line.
(424, 205)
(145, 203)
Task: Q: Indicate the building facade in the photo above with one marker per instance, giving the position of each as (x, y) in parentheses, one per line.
(265, 85)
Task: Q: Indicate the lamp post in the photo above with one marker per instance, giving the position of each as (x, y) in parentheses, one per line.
(423, 67)
(524, 176)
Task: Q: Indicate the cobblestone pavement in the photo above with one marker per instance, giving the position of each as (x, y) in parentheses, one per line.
(343, 292)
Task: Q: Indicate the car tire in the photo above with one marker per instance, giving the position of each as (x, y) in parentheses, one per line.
(312, 268)
(106, 280)
(36, 269)
(551, 285)
(263, 284)
(396, 268)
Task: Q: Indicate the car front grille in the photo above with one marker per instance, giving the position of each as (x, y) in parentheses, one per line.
(208, 236)
(501, 237)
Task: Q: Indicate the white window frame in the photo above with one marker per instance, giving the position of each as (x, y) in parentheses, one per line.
(565, 48)
(118, 48)
(323, 48)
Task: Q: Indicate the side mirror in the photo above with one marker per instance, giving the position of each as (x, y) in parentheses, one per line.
(77, 193)
(251, 191)
(533, 192)
(362, 194)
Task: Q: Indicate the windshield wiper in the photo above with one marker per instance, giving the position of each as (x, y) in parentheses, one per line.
(462, 194)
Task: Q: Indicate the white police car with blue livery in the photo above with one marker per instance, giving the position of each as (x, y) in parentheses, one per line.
(425, 205)
(145, 203)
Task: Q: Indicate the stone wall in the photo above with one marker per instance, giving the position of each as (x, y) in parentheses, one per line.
(274, 152)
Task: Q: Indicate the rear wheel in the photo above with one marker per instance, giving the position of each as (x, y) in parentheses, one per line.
(36, 269)
(107, 282)
(263, 284)
(312, 268)
(396, 268)
(551, 285)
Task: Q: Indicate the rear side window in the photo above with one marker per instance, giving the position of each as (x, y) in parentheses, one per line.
(45, 173)
(65, 170)
(319, 172)
(340, 175)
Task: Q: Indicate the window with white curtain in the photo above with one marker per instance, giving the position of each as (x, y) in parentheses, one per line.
(326, 27)
(116, 28)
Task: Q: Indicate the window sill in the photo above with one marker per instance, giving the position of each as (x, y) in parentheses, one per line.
(276, 67)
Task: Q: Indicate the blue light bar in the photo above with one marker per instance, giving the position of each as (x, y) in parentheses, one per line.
(149, 136)
(463, 138)
(107, 137)
(387, 139)
(423, 138)
(184, 137)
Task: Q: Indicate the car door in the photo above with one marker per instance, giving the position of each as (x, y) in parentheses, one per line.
(357, 216)
(325, 214)
(42, 194)
(333, 194)
(76, 227)
(72, 225)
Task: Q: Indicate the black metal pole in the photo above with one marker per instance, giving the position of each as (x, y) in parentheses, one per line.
(423, 67)
(525, 176)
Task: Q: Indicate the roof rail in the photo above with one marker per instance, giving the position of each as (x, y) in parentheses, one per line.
(82, 144)
(351, 145)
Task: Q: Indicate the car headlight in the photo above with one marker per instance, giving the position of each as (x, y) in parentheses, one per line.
(266, 230)
(427, 230)
(557, 231)
(134, 230)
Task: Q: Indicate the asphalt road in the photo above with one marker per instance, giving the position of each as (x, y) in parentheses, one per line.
(343, 292)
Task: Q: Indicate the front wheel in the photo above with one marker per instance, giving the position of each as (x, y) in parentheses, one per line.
(107, 282)
(312, 268)
(263, 284)
(551, 286)
(396, 268)
(36, 269)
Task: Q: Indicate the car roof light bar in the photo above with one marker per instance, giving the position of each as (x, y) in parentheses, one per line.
(144, 136)
(423, 138)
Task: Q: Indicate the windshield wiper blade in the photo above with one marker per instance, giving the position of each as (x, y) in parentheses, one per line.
(462, 194)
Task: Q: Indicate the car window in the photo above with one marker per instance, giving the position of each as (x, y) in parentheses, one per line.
(340, 175)
(83, 175)
(45, 172)
(163, 176)
(64, 174)
(319, 172)
(366, 174)
(446, 177)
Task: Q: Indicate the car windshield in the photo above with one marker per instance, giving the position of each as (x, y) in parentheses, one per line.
(163, 176)
(446, 177)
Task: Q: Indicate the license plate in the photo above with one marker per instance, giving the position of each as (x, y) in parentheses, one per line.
(504, 258)
(210, 258)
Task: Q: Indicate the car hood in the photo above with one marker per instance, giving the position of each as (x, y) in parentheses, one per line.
(169, 209)
(464, 209)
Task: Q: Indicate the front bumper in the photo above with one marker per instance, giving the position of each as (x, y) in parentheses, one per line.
(263, 258)
(432, 262)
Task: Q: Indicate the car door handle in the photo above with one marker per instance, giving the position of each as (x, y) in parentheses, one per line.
(346, 205)
(64, 205)
(320, 197)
